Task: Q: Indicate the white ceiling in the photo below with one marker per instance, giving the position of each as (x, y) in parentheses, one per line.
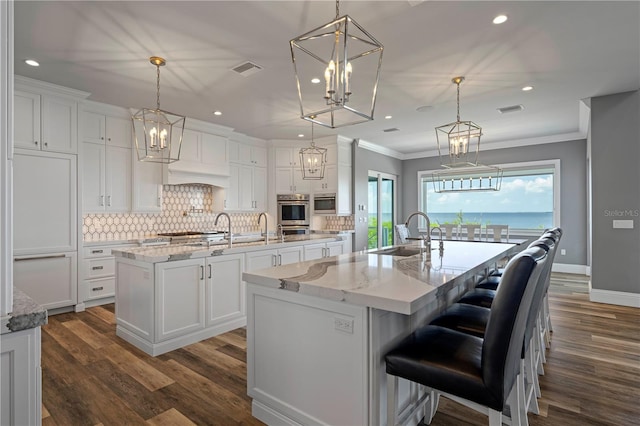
(567, 50)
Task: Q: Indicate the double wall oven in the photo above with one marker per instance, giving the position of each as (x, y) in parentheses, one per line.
(294, 212)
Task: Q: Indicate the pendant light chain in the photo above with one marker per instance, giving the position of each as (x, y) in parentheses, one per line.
(458, 100)
(158, 88)
(337, 9)
(313, 144)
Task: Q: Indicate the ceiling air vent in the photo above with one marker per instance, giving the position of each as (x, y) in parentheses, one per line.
(512, 108)
(247, 68)
(391, 129)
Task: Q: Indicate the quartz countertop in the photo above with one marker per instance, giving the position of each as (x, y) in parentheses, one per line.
(401, 284)
(155, 254)
(25, 314)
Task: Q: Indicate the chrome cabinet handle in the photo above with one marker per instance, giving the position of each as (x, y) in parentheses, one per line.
(159, 202)
(274, 261)
(210, 271)
(97, 288)
(201, 272)
(53, 256)
(97, 251)
(280, 260)
(102, 200)
(108, 200)
(97, 268)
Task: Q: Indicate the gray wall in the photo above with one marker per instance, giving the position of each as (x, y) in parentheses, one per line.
(573, 187)
(365, 160)
(615, 180)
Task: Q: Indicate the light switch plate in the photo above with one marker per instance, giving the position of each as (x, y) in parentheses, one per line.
(623, 224)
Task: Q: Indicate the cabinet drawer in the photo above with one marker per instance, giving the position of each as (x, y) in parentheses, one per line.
(99, 288)
(102, 267)
(102, 251)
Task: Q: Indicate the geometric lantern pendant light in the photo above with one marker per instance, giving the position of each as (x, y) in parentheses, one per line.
(313, 160)
(158, 133)
(337, 67)
(461, 171)
(461, 139)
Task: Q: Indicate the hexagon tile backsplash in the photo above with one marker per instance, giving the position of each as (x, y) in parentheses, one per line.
(184, 208)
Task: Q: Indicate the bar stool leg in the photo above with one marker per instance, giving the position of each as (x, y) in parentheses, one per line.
(392, 399)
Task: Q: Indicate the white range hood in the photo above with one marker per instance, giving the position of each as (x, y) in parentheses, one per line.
(174, 175)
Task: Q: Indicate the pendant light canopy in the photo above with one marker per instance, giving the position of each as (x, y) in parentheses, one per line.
(158, 133)
(337, 67)
(313, 160)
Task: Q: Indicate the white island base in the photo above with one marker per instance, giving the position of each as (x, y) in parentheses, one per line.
(317, 332)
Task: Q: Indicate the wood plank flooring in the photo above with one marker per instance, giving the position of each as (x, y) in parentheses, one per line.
(92, 377)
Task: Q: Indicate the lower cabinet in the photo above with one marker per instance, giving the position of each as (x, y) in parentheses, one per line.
(21, 378)
(98, 279)
(273, 257)
(51, 280)
(322, 250)
(225, 290)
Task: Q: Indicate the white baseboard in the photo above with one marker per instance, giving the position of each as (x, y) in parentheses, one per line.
(569, 268)
(615, 297)
(270, 416)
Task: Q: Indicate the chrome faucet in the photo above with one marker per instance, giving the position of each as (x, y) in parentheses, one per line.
(441, 244)
(266, 226)
(215, 223)
(427, 236)
(281, 231)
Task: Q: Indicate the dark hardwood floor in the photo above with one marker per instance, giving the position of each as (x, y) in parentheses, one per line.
(91, 377)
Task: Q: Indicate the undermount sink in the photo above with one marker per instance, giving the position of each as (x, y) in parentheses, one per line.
(398, 251)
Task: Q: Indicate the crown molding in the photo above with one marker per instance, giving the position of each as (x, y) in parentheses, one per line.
(27, 84)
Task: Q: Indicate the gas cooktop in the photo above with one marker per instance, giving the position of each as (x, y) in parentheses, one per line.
(188, 233)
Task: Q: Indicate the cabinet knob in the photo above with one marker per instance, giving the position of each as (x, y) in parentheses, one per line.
(46, 144)
(36, 142)
(108, 139)
(101, 138)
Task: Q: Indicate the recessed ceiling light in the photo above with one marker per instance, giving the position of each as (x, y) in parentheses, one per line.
(315, 80)
(527, 88)
(301, 135)
(217, 112)
(500, 19)
(32, 62)
(388, 117)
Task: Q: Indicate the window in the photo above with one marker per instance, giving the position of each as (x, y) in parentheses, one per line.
(528, 199)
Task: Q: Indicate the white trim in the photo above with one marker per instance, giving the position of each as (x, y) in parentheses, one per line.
(42, 87)
(381, 149)
(270, 416)
(611, 297)
(569, 268)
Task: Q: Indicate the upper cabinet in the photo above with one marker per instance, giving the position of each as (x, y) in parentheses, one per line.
(45, 116)
(106, 158)
(248, 181)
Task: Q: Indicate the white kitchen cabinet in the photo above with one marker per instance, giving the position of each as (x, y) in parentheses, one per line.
(225, 292)
(21, 378)
(203, 152)
(248, 179)
(273, 257)
(106, 178)
(289, 181)
(97, 279)
(45, 122)
(146, 193)
(51, 280)
(44, 202)
(99, 128)
(287, 156)
(180, 298)
(322, 250)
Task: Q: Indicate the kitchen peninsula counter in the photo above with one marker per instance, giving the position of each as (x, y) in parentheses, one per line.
(317, 331)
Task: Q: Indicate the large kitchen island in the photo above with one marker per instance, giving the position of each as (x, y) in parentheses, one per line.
(317, 331)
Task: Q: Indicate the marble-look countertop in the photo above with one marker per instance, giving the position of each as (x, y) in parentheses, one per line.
(155, 254)
(333, 231)
(392, 283)
(25, 314)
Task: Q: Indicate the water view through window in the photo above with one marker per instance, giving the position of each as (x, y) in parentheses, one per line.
(525, 201)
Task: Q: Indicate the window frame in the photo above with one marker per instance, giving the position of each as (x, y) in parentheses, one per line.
(554, 164)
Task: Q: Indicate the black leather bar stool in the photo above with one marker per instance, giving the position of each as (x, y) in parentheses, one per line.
(473, 320)
(480, 373)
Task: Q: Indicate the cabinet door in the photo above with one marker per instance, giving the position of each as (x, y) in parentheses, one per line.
(284, 180)
(225, 289)
(190, 150)
(49, 280)
(343, 192)
(93, 162)
(314, 251)
(283, 156)
(118, 132)
(259, 156)
(214, 151)
(290, 255)
(26, 120)
(335, 248)
(59, 124)
(21, 378)
(260, 188)
(245, 156)
(147, 186)
(93, 127)
(44, 202)
(300, 185)
(232, 193)
(118, 179)
(245, 194)
(182, 281)
(260, 259)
